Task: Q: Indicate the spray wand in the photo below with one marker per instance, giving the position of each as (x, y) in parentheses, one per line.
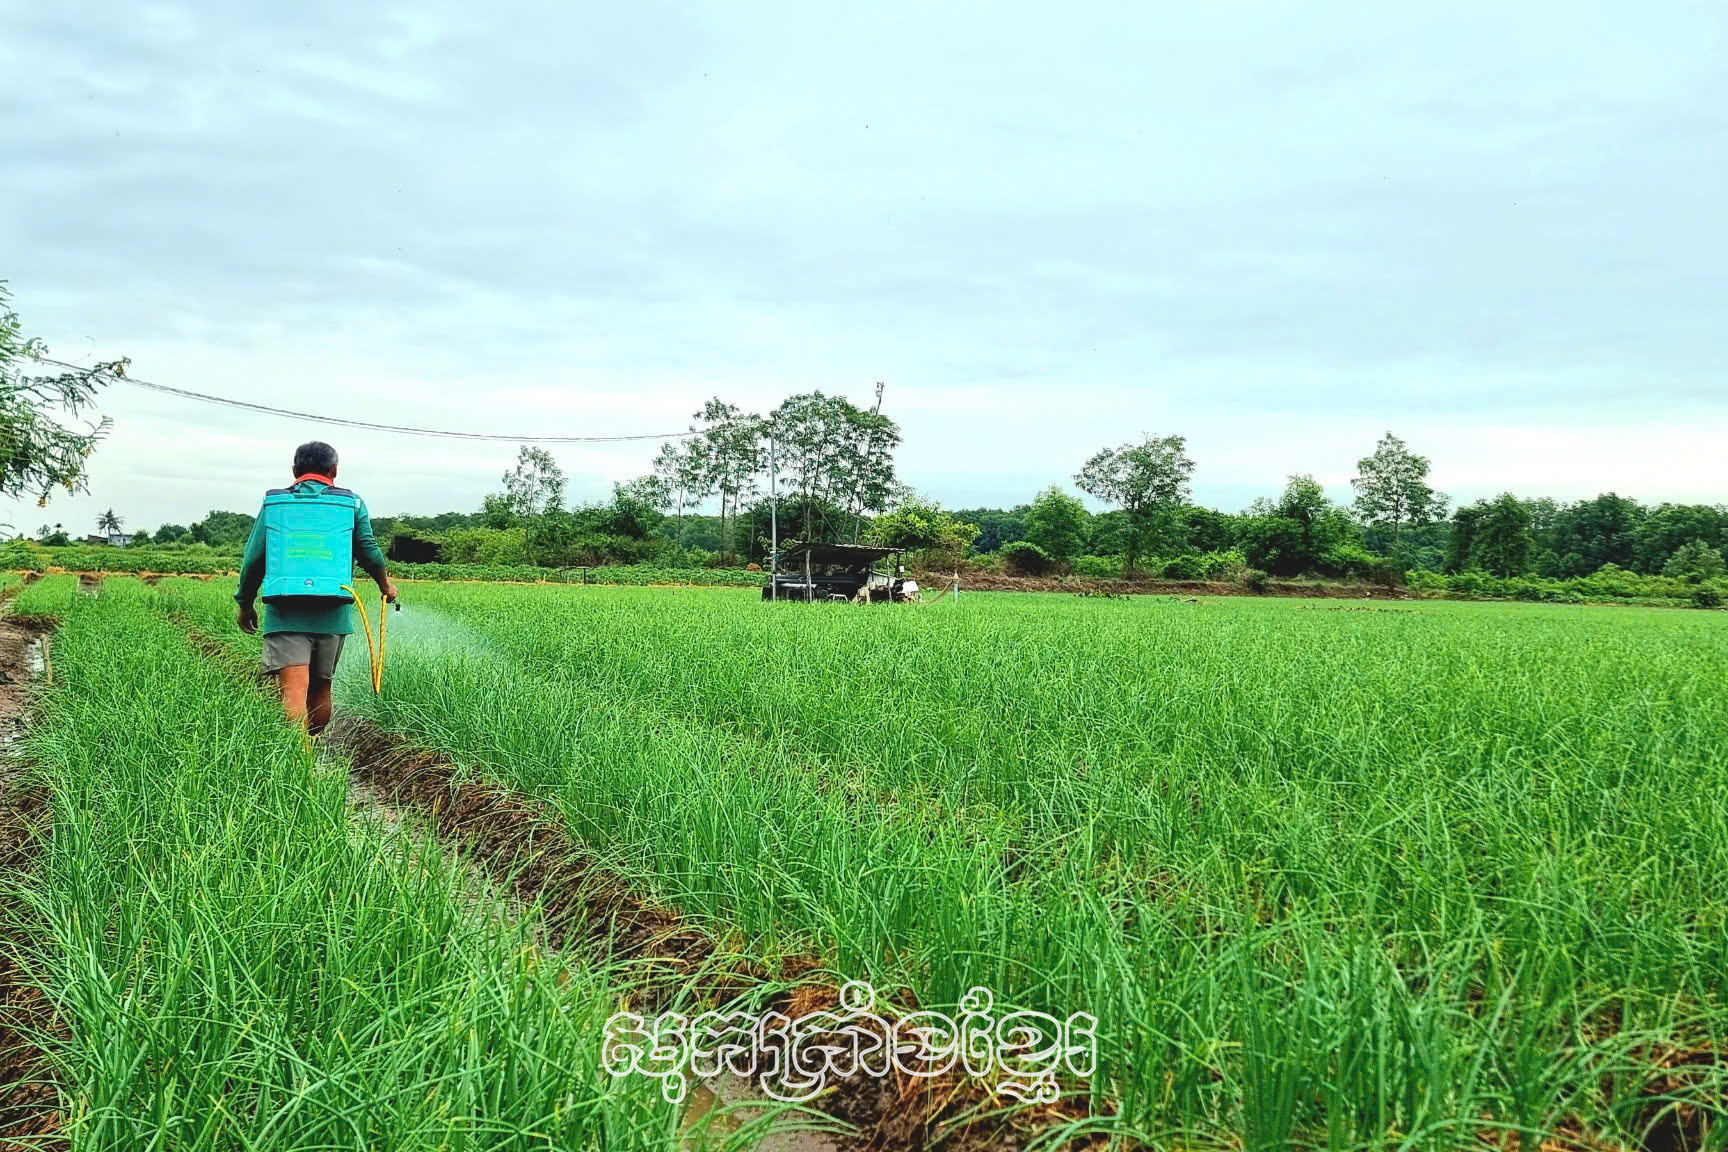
(374, 651)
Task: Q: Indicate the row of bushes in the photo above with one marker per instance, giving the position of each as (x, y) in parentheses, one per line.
(195, 560)
(672, 565)
(1346, 562)
(33, 558)
(508, 547)
(1609, 583)
(1023, 558)
(470, 553)
(603, 574)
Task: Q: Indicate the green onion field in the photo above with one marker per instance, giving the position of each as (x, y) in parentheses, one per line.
(1330, 874)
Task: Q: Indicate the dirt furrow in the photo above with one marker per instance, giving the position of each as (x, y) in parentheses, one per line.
(29, 1100)
(527, 852)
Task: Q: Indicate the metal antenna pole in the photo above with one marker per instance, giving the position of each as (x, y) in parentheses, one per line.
(773, 522)
(858, 517)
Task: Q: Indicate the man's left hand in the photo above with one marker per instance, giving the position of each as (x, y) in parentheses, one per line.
(247, 618)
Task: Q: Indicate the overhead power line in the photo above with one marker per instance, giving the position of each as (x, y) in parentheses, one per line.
(344, 422)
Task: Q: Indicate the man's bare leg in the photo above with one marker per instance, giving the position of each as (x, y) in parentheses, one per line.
(317, 705)
(292, 682)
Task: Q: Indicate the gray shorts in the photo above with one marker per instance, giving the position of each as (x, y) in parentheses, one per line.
(317, 650)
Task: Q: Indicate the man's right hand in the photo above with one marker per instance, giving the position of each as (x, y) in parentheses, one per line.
(247, 618)
(389, 591)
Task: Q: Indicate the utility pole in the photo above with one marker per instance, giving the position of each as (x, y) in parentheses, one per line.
(858, 496)
(773, 521)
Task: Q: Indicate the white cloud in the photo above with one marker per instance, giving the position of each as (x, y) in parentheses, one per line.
(1493, 229)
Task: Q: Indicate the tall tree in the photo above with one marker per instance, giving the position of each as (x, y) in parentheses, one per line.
(1392, 488)
(535, 486)
(1462, 536)
(1303, 500)
(680, 466)
(1499, 537)
(37, 452)
(869, 467)
(534, 497)
(1056, 522)
(730, 445)
(834, 455)
(1148, 480)
(1292, 534)
(108, 523)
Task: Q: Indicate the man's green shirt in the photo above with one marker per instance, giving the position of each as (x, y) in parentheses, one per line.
(331, 618)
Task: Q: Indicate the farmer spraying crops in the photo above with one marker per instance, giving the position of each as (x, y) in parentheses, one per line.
(301, 556)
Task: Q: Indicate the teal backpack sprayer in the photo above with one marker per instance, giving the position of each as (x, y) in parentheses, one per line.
(308, 544)
(309, 554)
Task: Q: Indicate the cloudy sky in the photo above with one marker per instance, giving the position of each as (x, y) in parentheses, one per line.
(1277, 229)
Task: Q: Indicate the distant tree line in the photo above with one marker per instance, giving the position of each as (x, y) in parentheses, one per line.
(1509, 536)
(1396, 523)
(837, 482)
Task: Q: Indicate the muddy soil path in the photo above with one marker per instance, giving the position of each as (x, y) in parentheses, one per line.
(528, 853)
(29, 1102)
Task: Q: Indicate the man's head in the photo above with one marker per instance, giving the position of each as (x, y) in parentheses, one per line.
(315, 458)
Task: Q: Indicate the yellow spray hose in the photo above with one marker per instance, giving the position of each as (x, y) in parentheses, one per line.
(374, 651)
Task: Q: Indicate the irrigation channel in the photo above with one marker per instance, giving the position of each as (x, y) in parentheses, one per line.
(28, 1099)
